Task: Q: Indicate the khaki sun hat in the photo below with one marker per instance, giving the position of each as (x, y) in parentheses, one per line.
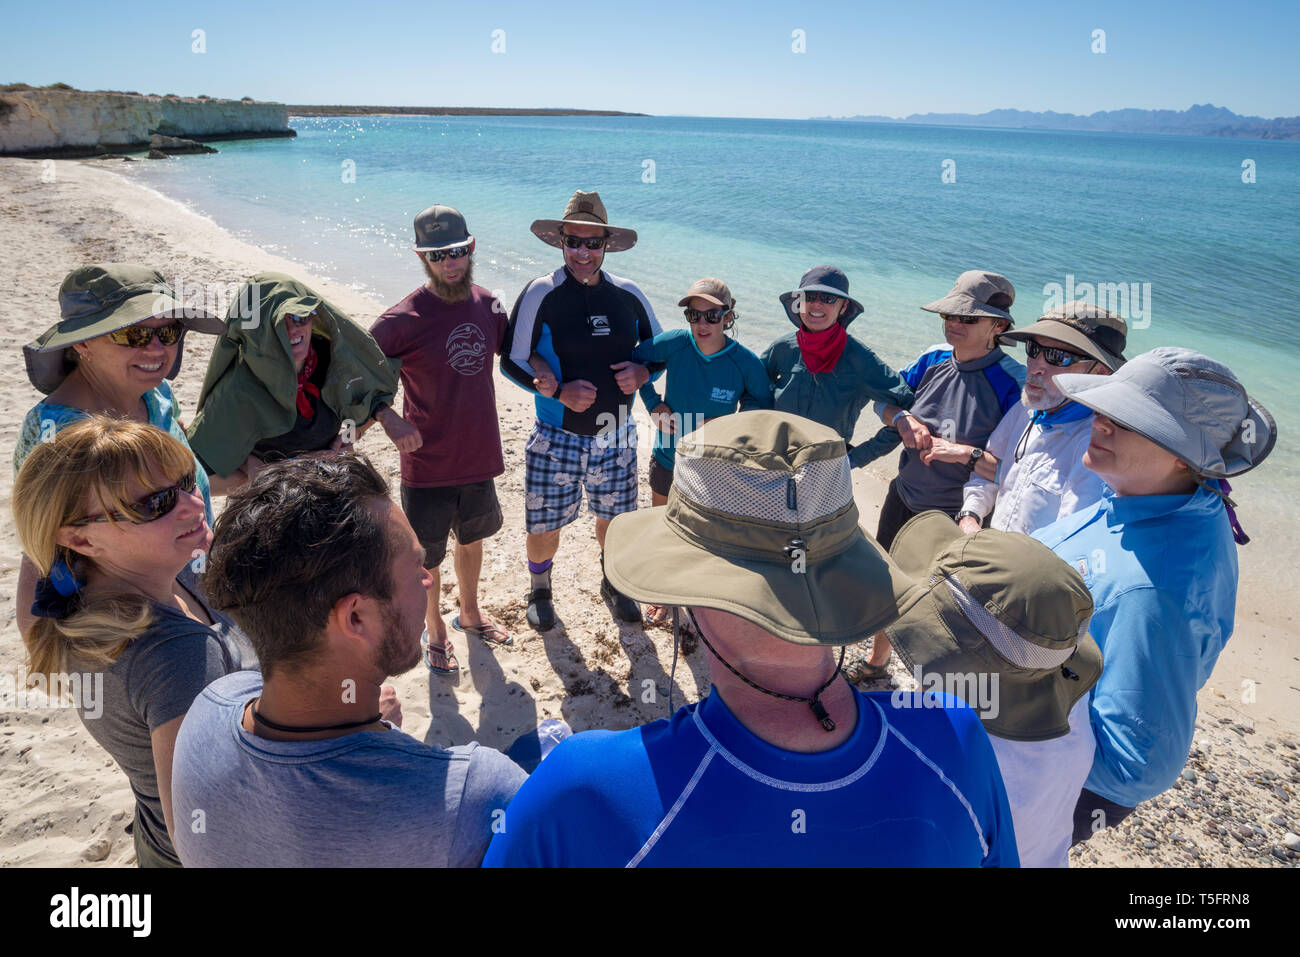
(977, 293)
(761, 523)
(1186, 403)
(103, 298)
(585, 209)
(997, 604)
(1084, 327)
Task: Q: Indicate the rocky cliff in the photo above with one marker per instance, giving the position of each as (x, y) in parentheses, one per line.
(74, 122)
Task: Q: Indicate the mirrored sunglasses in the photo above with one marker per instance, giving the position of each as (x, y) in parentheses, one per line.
(302, 320)
(826, 298)
(964, 320)
(438, 255)
(137, 337)
(150, 508)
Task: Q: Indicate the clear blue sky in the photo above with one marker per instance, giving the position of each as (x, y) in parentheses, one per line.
(728, 58)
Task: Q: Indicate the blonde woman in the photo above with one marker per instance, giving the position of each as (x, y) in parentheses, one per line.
(110, 514)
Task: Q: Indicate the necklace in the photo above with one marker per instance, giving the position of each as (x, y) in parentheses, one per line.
(302, 730)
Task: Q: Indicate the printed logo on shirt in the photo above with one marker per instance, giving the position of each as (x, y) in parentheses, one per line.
(599, 325)
(1081, 566)
(722, 395)
(467, 349)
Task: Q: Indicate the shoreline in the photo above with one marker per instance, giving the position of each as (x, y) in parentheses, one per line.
(66, 801)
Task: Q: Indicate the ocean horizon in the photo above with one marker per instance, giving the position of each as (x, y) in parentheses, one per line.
(1194, 239)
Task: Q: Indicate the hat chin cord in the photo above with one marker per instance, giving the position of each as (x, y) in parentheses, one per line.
(818, 709)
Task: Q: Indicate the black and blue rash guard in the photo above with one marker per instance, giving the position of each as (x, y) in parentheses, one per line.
(580, 331)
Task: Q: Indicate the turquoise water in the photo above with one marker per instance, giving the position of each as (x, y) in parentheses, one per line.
(756, 202)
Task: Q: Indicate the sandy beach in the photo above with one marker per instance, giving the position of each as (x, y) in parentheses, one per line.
(64, 802)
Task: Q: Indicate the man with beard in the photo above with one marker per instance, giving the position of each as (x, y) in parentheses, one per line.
(1031, 473)
(445, 333)
(295, 767)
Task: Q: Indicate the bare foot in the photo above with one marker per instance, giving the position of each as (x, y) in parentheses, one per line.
(657, 613)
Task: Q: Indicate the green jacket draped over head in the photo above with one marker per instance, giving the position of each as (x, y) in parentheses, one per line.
(250, 391)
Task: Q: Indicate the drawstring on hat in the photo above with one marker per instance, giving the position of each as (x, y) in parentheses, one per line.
(1221, 488)
(818, 709)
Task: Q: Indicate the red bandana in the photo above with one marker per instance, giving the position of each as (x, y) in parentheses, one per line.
(821, 350)
(308, 367)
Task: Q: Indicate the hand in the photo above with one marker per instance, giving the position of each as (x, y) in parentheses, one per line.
(390, 709)
(913, 432)
(968, 525)
(404, 435)
(545, 383)
(630, 375)
(663, 418)
(578, 395)
(941, 450)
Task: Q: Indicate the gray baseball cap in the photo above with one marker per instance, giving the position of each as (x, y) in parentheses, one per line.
(1186, 403)
(440, 227)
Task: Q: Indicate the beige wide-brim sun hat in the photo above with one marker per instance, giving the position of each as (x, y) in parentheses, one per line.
(585, 209)
(761, 523)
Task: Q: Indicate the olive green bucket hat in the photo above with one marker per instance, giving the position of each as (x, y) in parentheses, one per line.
(761, 523)
(1001, 614)
(103, 298)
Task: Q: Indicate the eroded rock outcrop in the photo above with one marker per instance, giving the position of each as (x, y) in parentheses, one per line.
(63, 121)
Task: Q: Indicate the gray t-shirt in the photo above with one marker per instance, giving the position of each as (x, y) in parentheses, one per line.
(368, 799)
(154, 681)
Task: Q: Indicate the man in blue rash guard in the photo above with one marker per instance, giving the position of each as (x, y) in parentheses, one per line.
(783, 763)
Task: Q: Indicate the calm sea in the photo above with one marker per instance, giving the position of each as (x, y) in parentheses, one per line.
(1209, 261)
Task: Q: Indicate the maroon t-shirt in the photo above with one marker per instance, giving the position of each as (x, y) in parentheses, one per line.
(447, 351)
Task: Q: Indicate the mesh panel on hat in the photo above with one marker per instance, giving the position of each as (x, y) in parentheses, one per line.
(822, 488)
(1021, 653)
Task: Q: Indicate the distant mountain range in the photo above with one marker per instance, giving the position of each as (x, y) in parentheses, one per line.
(1201, 120)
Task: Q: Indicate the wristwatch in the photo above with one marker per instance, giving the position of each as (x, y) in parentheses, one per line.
(975, 456)
(967, 513)
(559, 387)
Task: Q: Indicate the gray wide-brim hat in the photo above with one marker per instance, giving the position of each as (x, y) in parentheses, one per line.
(1187, 403)
(1086, 328)
(822, 279)
(584, 209)
(103, 298)
(977, 293)
(761, 523)
(996, 604)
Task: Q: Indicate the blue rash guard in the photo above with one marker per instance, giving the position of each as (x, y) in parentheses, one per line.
(915, 785)
(700, 387)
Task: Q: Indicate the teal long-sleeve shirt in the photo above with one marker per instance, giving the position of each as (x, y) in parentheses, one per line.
(836, 398)
(700, 387)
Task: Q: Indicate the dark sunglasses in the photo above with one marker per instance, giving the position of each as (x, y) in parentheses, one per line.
(137, 337)
(438, 255)
(964, 320)
(150, 508)
(826, 298)
(302, 320)
(712, 317)
(1053, 356)
(573, 242)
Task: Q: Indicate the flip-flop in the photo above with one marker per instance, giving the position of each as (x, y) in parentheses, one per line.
(866, 671)
(486, 632)
(447, 651)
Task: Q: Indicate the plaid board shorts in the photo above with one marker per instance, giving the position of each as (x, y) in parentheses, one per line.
(558, 465)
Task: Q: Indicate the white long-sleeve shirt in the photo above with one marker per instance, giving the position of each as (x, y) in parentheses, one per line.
(1048, 481)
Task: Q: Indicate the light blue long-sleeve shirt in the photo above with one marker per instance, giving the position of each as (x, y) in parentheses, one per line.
(1162, 570)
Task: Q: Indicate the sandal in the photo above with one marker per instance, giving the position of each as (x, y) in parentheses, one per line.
(866, 671)
(490, 632)
(447, 652)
